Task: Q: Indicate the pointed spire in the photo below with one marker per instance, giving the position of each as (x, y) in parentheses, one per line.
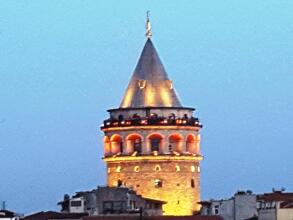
(149, 85)
(148, 26)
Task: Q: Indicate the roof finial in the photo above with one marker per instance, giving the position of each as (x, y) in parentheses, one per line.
(148, 33)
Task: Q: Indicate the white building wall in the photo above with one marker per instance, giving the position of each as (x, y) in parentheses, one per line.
(77, 209)
(267, 214)
(245, 206)
(285, 214)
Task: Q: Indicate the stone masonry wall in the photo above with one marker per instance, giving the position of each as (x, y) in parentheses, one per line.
(177, 188)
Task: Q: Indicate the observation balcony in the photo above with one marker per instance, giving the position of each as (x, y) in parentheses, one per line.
(152, 121)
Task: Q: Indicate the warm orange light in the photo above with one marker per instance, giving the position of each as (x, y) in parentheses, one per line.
(154, 158)
(177, 142)
(115, 142)
(166, 96)
(149, 96)
(154, 127)
(191, 145)
(107, 146)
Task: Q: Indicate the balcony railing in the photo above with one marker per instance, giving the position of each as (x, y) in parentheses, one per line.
(150, 121)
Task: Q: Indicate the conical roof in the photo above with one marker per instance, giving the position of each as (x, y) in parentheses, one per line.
(149, 85)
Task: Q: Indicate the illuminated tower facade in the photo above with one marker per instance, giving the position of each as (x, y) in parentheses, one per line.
(151, 141)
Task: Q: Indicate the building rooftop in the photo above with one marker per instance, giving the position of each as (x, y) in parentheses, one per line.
(275, 196)
(6, 214)
(54, 215)
(149, 85)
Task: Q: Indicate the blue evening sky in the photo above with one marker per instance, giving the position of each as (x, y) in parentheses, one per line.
(64, 63)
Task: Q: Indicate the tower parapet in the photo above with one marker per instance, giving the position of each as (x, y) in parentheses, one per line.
(152, 142)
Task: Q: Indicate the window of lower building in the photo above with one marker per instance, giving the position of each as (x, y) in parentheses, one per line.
(148, 205)
(107, 207)
(132, 204)
(157, 205)
(114, 207)
(217, 210)
(75, 203)
(119, 206)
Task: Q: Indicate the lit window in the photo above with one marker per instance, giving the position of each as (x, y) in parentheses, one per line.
(177, 168)
(158, 183)
(217, 212)
(136, 169)
(141, 83)
(157, 168)
(192, 168)
(109, 170)
(118, 169)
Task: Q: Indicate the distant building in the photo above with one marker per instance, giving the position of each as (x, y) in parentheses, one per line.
(194, 217)
(50, 215)
(277, 205)
(239, 207)
(109, 201)
(9, 215)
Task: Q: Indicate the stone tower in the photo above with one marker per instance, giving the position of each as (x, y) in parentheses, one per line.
(151, 141)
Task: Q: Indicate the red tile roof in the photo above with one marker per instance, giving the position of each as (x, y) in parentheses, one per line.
(54, 215)
(275, 196)
(287, 204)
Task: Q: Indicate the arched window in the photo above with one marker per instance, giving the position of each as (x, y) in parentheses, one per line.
(191, 144)
(116, 144)
(134, 143)
(176, 142)
(192, 183)
(155, 141)
(107, 146)
(119, 182)
(157, 168)
(136, 169)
